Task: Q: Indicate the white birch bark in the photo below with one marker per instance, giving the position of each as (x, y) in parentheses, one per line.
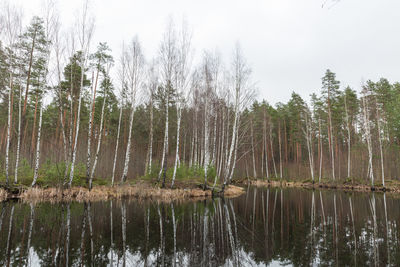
(178, 127)
(321, 150)
(71, 174)
(331, 136)
(266, 145)
(89, 138)
(8, 129)
(308, 135)
(86, 28)
(165, 144)
(99, 141)
(18, 136)
(206, 141)
(368, 139)
(150, 155)
(116, 146)
(221, 153)
(252, 149)
(128, 146)
(272, 151)
(378, 118)
(135, 63)
(235, 151)
(214, 154)
(348, 138)
(280, 151)
(35, 176)
(182, 65)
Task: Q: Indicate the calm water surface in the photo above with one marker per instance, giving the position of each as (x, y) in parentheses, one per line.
(262, 227)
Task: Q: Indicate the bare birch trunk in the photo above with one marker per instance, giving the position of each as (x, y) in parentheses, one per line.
(368, 139)
(280, 151)
(128, 146)
(378, 118)
(252, 149)
(308, 135)
(35, 176)
(321, 151)
(89, 141)
(99, 141)
(149, 167)
(272, 151)
(214, 155)
(18, 136)
(165, 145)
(71, 174)
(265, 145)
(8, 128)
(348, 139)
(178, 128)
(116, 146)
(206, 142)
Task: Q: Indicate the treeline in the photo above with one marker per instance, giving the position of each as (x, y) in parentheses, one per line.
(338, 136)
(71, 114)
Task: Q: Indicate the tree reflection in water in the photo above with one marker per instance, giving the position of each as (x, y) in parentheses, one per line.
(271, 225)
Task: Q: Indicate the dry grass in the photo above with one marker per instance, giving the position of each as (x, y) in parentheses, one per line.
(139, 191)
(3, 194)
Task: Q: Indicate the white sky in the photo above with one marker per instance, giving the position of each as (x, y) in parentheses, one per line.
(288, 43)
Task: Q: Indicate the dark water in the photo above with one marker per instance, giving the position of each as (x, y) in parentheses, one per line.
(263, 227)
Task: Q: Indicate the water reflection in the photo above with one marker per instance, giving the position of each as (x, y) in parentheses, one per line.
(285, 226)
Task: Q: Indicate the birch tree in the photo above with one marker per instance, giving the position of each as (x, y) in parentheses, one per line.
(152, 87)
(11, 19)
(242, 92)
(167, 57)
(367, 135)
(100, 58)
(106, 86)
(307, 130)
(123, 89)
(85, 31)
(49, 34)
(183, 63)
(135, 70)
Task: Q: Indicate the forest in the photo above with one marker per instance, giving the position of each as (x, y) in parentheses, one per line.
(72, 114)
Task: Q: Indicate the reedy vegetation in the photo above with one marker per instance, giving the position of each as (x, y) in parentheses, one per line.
(205, 113)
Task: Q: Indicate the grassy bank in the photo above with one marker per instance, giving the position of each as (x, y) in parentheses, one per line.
(188, 184)
(347, 185)
(140, 189)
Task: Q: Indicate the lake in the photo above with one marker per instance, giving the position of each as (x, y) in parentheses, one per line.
(265, 226)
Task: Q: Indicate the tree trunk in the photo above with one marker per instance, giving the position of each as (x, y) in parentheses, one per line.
(89, 138)
(18, 136)
(116, 146)
(178, 128)
(35, 176)
(265, 145)
(98, 142)
(128, 146)
(165, 145)
(150, 154)
(378, 118)
(272, 151)
(8, 128)
(252, 149)
(71, 174)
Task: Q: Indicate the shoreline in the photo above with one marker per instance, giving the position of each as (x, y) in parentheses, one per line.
(141, 191)
(323, 186)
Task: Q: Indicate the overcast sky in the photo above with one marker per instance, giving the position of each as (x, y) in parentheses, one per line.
(288, 43)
